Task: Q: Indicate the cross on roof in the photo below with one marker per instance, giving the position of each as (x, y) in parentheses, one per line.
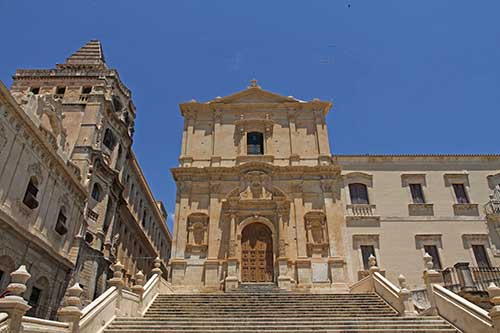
(253, 83)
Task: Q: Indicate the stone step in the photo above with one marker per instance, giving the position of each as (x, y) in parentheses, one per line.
(291, 330)
(287, 320)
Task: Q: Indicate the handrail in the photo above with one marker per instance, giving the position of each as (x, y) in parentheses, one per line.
(465, 315)
(45, 322)
(362, 286)
(95, 303)
(388, 284)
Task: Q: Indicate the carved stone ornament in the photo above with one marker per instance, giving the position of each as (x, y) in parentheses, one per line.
(215, 187)
(197, 229)
(255, 185)
(316, 234)
(23, 209)
(35, 169)
(184, 187)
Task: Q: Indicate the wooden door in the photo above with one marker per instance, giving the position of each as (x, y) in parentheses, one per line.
(256, 254)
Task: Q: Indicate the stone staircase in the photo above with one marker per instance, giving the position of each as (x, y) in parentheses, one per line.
(250, 312)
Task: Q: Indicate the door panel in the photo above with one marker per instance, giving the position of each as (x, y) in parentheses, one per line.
(256, 254)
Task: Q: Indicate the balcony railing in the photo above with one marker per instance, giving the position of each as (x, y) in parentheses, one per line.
(361, 210)
(356, 212)
(461, 277)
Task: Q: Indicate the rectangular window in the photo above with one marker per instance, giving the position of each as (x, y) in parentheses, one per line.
(86, 90)
(460, 193)
(432, 250)
(35, 90)
(255, 143)
(60, 90)
(417, 194)
(481, 256)
(366, 252)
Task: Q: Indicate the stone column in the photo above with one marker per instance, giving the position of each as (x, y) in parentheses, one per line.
(284, 280)
(14, 304)
(232, 280)
(212, 262)
(431, 277)
(71, 313)
(464, 276)
(494, 293)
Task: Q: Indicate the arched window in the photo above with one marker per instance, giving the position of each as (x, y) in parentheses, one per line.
(117, 104)
(61, 227)
(358, 193)
(96, 192)
(30, 194)
(109, 139)
(255, 143)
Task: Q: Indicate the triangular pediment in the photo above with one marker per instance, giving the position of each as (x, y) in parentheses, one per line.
(254, 94)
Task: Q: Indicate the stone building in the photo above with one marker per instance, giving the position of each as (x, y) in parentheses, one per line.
(85, 113)
(42, 200)
(260, 198)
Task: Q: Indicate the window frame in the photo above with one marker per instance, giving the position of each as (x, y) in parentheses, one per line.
(259, 145)
(358, 200)
(30, 194)
(417, 187)
(463, 188)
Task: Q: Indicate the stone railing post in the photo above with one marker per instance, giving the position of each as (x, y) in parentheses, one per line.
(372, 261)
(138, 288)
(431, 276)
(117, 281)
(71, 313)
(405, 297)
(157, 265)
(14, 304)
(494, 293)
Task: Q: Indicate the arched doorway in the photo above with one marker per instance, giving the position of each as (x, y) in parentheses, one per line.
(256, 253)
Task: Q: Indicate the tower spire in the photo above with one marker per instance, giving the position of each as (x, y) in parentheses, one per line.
(89, 54)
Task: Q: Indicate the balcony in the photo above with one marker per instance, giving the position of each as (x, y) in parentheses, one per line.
(361, 212)
(421, 209)
(465, 209)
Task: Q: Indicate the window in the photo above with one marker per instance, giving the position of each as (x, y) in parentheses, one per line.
(61, 228)
(86, 90)
(358, 193)
(89, 238)
(432, 250)
(366, 252)
(109, 139)
(144, 220)
(255, 143)
(481, 256)
(35, 90)
(60, 90)
(460, 193)
(34, 299)
(30, 195)
(417, 194)
(96, 192)
(117, 104)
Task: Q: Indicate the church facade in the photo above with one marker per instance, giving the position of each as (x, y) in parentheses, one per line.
(261, 199)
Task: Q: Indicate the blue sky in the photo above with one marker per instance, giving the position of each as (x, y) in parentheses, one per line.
(405, 76)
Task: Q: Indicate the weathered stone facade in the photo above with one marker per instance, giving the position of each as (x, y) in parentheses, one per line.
(259, 159)
(83, 115)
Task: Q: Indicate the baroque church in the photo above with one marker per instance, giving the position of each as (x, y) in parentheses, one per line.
(272, 232)
(261, 198)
